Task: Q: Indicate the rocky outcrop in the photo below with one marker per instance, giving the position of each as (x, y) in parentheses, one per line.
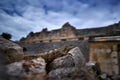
(12, 52)
(9, 52)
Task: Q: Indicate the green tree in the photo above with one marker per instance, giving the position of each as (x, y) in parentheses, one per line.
(6, 35)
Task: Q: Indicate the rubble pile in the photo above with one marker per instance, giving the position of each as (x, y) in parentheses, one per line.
(68, 64)
(70, 67)
(27, 70)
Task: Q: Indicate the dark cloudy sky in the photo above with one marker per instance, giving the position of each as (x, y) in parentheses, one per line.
(19, 17)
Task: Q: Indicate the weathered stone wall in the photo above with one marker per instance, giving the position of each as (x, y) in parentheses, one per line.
(106, 54)
(70, 33)
(45, 47)
(67, 32)
(113, 29)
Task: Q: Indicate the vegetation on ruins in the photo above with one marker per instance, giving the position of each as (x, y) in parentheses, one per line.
(6, 35)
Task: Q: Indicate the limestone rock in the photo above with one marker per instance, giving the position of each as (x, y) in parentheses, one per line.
(71, 73)
(70, 67)
(15, 69)
(10, 51)
(72, 59)
(65, 61)
(77, 56)
(27, 70)
(38, 65)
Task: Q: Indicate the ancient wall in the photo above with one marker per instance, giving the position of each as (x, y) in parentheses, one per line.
(106, 54)
(45, 47)
(67, 32)
(70, 33)
(108, 30)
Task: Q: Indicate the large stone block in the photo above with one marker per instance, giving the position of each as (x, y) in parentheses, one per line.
(10, 51)
(77, 56)
(65, 61)
(73, 58)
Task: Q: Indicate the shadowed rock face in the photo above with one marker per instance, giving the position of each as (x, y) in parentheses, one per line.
(9, 52)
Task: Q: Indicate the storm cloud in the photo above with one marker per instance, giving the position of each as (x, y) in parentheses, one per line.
(19, 17)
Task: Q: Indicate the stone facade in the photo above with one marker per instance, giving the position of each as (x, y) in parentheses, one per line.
(106, 51)
(67, 32)
(70, 33)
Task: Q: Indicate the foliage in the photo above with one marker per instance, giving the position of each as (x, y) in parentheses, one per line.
(6, 35)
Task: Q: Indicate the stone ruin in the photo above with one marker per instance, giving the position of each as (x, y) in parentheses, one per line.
(70, 33)
(57, 64)
(106, 52)
(60, 64)
(68, 64)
